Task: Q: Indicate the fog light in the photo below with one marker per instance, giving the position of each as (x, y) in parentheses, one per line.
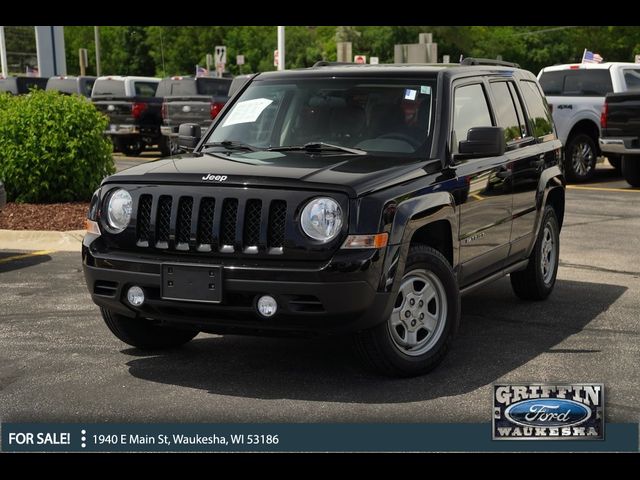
(135, 296)
(267, 306)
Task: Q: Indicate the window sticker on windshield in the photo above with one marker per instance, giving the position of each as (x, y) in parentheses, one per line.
(426, 89)
(247, 111)
(410, 94)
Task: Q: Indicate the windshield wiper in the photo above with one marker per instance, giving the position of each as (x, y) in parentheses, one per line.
(318, 147)
(232, 145)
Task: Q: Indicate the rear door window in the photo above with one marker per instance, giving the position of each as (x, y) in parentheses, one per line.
(552, 82)
(538, 111)
(506, 113)
(632, 78)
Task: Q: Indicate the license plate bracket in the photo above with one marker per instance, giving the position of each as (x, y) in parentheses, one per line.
(191, 283)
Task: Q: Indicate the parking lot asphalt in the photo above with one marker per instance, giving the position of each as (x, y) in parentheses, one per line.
(58, 361)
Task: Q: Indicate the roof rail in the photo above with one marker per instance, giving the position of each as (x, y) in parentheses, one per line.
(487, 61)
(324, 63)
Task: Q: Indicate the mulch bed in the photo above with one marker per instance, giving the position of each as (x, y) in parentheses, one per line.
(44, 216)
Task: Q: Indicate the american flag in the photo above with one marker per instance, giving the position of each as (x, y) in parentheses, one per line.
(201, 71)
(590, 57)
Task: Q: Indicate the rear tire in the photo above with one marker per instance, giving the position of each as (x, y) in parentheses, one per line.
(536, 282)
(616, 162)
(580, 158)
(144, 334)
(132, 148)
(416, 337)
(631, 169)
(168, 146)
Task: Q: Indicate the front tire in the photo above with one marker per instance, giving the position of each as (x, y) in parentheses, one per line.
(631, 169)
(144, 334)
(580, 158)
(426, 314)
(536, 282)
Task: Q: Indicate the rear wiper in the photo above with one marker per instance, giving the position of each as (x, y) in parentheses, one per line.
(232, 145)
(317, 147)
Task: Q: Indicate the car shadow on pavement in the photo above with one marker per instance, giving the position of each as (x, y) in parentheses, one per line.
(498, 334)
(22, 260)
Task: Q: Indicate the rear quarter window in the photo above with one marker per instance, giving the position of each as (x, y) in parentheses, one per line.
(538, 111)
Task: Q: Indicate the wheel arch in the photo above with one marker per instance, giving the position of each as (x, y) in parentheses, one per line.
(551, 191)
(430, 219)
(588, 127)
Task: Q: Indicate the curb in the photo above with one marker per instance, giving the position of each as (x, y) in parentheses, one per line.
(70, 241)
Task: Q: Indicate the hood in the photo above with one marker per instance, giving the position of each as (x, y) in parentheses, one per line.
(352, 174)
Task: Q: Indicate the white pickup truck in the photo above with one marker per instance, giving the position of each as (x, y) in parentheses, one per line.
(575, 93)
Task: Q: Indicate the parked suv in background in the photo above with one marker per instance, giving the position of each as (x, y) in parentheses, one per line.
(576, 94)
(69, 85)
(189, 100)
(133, 110)
(356, 199)
(21, 85)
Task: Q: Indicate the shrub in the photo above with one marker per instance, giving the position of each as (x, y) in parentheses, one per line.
(52, 147)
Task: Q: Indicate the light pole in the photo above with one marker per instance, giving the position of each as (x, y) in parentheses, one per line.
(3, 53)
(96, 32)
(280, 48)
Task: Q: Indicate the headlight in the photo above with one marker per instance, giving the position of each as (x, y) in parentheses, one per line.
(321, 219)
(119, 210)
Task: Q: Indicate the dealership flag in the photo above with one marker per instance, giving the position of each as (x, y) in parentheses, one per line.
(590, 57)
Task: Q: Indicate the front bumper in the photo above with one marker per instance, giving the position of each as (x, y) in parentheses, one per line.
(620, 146)
(337, 296)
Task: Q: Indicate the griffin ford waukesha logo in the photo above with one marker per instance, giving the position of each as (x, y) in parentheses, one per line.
(214, 178)
(549, 412)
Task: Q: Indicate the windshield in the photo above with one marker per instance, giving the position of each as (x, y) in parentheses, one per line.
(378, 116)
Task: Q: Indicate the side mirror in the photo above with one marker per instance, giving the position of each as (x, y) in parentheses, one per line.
(189, 135)
(483, 142)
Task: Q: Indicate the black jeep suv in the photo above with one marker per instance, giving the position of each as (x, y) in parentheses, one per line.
(335, 199)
